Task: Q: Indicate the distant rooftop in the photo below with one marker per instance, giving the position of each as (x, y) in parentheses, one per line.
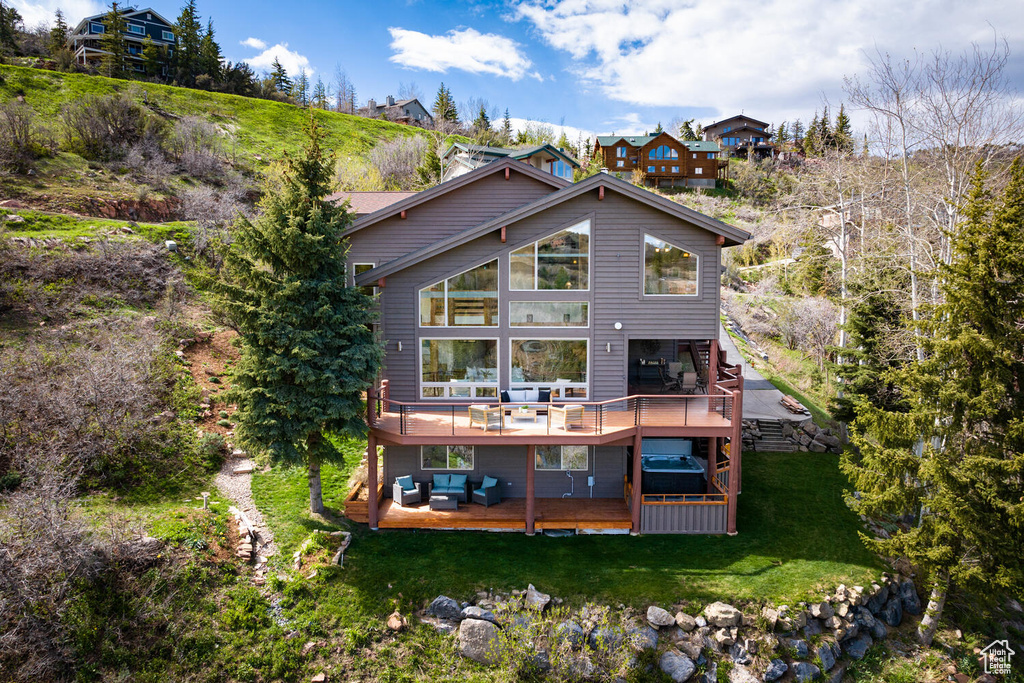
(364, 203)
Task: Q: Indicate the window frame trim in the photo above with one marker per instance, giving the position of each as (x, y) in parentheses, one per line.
(512, 327)
(512, 384)
(473, 386)
(447, 459)
(643, 266)
(444, 280)
(563, 228)
(561, 454)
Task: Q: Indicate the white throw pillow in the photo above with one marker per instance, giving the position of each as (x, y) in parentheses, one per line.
(532, 395)
(517, 395)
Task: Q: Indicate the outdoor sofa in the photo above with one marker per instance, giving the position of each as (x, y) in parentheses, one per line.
(456, 485)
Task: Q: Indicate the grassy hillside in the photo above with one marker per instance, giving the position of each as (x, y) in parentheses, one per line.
(258, 128)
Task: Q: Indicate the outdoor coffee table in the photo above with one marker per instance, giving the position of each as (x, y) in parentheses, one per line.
(439, 502)
(518, 415)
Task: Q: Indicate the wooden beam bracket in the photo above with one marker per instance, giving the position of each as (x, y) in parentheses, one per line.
(720, 240)
(403, 214)
(600, 193)
(508, 173)
(503, 234)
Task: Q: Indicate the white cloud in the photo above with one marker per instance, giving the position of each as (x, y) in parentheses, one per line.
(292, 61)
(35, 13)
(254, 43)
(466, 49)
(774, 60)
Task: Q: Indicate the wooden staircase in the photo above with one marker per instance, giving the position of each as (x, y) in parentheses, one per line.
(772, 439)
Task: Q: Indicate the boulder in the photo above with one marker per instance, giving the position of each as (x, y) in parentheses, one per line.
(691, 650)
(645, 637)
(799, 648)
(723, 637)
(828, 660)
(605, 638)
(813, 628)
(879, 631)
(722, 615)
(908, 596)
(776, 670)
(878, 597)
(685, 621)
(892, 613)
(771, 617)
(657, 617)
(741, 674)
(817, 447)
(570, 632)
(677, 666)
(536, 600)
(444, 607)
(858, 647)
(478, 640)
(710, 674)
(740, 654)
(802, 672)
(474, 612)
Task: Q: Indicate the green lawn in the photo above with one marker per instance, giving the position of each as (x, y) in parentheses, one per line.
(796, 538)
(46, 225)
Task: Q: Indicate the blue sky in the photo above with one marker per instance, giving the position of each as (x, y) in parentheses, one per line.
(599, 65)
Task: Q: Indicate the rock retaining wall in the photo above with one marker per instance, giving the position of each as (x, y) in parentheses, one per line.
(789, 436)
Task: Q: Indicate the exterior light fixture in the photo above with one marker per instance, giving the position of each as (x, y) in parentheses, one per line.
(608, 347)
(618, 326)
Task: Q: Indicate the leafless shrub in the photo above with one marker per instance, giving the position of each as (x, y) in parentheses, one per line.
(146, 162)
(20, 142)
(196, 144)
(397, 160)
(809, 324)
(57, 282)
(106, 127)
(212, 210)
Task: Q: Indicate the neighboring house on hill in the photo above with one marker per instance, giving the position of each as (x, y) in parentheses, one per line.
(741, 136)
(559, 338)
(400, 111)
(665, 161)
(84, 40)
(463, 157)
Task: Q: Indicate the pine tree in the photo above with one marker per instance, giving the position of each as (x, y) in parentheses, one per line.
(188, 34)
(209, 54)
(279, 77)
(444, 106)
(59, 34)
(482, 123)
(429, 172)
(954, 461)
(659, 130)
(320, 97)
(811, 139)
(506, 129)
(152, 58)
(782, 134)
(698, 130)
(843, 132)
(826, 138)
(113, 64)
(307, 349)
(10, 22)
(686, 131)
(798, 132)
(300, 89)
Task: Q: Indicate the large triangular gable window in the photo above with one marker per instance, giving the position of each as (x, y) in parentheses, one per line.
(669, 270)
(469, 299)
(557, 262)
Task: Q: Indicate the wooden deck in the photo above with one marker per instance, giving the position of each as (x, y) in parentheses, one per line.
(510, 515)
(699, 416)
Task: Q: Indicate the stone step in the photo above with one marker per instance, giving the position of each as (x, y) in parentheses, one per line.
(779, 446)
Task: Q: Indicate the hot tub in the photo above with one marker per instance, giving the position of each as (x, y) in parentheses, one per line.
(668, 467)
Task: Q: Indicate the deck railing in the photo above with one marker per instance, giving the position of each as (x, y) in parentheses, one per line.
(595, 418)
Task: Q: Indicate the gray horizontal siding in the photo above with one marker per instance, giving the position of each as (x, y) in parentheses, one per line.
(508, 465)
(683, 519)
(617, 230)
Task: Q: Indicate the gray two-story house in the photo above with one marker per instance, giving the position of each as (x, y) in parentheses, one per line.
(551, 358)
(84, 41)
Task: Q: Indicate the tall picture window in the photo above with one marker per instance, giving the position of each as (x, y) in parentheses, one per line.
(558, 363)
(469, 299)
(668, 269)
(459, 368)
(446, 457)
(560, 261)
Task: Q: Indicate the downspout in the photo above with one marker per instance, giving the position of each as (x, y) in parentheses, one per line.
(572, 483)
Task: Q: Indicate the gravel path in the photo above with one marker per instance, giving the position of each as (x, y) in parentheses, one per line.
(238, 487)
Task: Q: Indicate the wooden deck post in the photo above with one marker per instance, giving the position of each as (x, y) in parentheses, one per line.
(637, 501)
(739, 434)
(712, 463)
(371, 480)
(531, 455)
(735, 454)
(713, 365)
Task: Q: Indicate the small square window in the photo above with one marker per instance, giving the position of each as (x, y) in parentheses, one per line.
(650, 169)
(675, 169)
(620, 163)
(698, 171)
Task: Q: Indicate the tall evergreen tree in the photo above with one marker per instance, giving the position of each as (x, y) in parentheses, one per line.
(482, 123)
(279, 77)
(429, 172)
(843, 132)
(686, 131)
(209, 54)
(115, 48)
(782, 134)
(59, 34)
(320, 98)
(825, 136)
(956, 460)
(188, 33)
(10, 22)
(812, 140)
(445, 109)
(152, 57)
(307, 350)
(300, 89)
(659, 130)
(798, 132)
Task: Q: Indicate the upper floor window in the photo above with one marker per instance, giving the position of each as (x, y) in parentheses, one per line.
(620, 152)
(668, 269)
(675, 169)
(561, 169)
(664, 152)
(650, 169)
(96, 27)
(168, 36)
(711, 155)
(136, 29)
(360, 268)
(469, 299)
(620, 163)
(727, 129)
(561, 261)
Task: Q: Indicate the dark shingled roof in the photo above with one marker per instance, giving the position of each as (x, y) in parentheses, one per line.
(364, 203)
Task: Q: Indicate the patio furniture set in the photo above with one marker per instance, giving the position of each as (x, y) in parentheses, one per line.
(445, 491)
(526, 405)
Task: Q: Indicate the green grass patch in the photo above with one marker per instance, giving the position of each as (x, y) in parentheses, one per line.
(45, 225)
(796, 537)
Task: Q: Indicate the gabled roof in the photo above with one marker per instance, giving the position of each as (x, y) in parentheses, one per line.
(738, 116)
(634, 140)
(125, 12)
(364, 203)
(449, 185)
(701, 145)
(520, 154)
(733, 236)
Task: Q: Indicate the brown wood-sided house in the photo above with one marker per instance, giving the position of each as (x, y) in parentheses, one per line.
(559, 338)
(664, 160)
(741, 136)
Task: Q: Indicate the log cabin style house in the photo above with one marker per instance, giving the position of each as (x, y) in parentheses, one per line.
(664, 160)
(551, 359)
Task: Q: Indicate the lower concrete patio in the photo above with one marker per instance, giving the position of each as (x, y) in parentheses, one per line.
(510, 515)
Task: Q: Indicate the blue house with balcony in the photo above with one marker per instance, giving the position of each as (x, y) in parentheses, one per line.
(140, 24)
